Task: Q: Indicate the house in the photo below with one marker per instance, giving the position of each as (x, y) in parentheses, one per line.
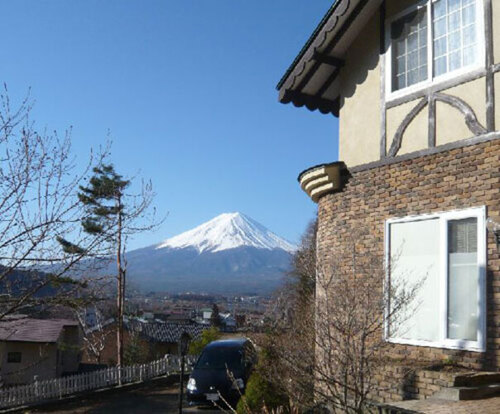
(38, 347)
(206, 314)
(147, 340)
(228, 322)
(415, 86)
(164, 338)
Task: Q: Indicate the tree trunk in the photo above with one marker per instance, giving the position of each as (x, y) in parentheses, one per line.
(120, 293)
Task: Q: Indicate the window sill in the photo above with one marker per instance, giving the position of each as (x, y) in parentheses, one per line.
(458, 345)
(446, 81)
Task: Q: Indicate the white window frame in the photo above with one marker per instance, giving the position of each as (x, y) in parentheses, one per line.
(431, 79)
(444, 217)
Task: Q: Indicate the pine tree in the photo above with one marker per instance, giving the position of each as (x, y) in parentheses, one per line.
(215, 319)
(103, 199)
(113, 215)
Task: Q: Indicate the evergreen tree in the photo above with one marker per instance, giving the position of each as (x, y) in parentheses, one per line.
(103, 199)
(215, 319)
(112, 214)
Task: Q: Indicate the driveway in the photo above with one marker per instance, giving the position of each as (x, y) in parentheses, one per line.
(152, 398)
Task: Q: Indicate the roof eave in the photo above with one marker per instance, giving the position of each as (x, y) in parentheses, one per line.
(309, 42)
(313, 78)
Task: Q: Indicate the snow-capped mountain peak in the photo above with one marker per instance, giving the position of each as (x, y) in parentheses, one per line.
(228, 231)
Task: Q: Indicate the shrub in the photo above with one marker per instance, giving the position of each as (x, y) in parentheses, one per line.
(207, 336)
(260, 393)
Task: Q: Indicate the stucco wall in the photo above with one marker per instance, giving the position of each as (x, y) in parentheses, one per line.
(36, 359)
(450, 123)
(359, 124)
(360, 117)
(415, 136)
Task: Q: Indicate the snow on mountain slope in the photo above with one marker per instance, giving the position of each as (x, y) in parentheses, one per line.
(228, 231)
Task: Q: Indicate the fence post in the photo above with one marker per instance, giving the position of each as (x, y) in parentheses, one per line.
(35, 385)
(59, 388)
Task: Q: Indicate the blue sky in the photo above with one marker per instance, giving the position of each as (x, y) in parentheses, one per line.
(187, 89)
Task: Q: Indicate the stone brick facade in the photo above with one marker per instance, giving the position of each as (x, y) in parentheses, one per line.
(450, 180)
(398, 383)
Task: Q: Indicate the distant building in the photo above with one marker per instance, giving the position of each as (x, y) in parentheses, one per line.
(37, 347)
(228, 322)
(206, 313)
(154, 339)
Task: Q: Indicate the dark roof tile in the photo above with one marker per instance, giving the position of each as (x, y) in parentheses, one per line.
(33, 330)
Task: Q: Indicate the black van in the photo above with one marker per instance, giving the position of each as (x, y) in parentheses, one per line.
(222, 369)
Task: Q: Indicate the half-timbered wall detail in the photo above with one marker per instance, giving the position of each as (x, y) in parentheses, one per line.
(457, 108)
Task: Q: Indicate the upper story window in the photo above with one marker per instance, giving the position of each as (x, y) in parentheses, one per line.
(433, 39)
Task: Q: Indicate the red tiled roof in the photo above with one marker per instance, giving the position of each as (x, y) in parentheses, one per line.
(33, 330)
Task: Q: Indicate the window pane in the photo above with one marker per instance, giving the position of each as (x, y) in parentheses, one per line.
(412, 42)
(440, 66)
(469, 35)
(453, 5)
(413, 60)
(423, 57)
(401, 64)
(440, 48)
(469, 55)
(422, 41)
(454, 21)
(454, 40)
(414, 255)
(440, 28)
(439, 9)
(463, 280)
(409, 42)
(401, 82)
(455, 60)
(469, 15)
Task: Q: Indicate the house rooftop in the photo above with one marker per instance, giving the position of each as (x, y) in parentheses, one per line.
(170, 332)
(33, 330)
(308, 43)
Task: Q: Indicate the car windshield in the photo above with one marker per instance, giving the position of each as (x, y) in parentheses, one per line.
(220, 358)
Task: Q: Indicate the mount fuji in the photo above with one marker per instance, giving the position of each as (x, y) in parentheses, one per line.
(230, 254)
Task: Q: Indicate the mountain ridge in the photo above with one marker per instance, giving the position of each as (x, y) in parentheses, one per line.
(226, 231)
(231, 253)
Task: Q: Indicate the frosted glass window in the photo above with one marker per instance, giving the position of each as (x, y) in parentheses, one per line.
(443, 256)
(463, 280)
(415, 260)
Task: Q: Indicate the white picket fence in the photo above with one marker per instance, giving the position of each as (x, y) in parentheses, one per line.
(58, 388)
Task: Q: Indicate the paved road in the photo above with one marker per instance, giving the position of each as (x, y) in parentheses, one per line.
(156, 398)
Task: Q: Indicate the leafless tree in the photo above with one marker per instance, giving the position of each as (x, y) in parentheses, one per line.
(38, 183)
(95, 335)
(338, 346)
(290, 342)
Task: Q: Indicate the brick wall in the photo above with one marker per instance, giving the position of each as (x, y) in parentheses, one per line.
(456, 179)
(397, 383)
